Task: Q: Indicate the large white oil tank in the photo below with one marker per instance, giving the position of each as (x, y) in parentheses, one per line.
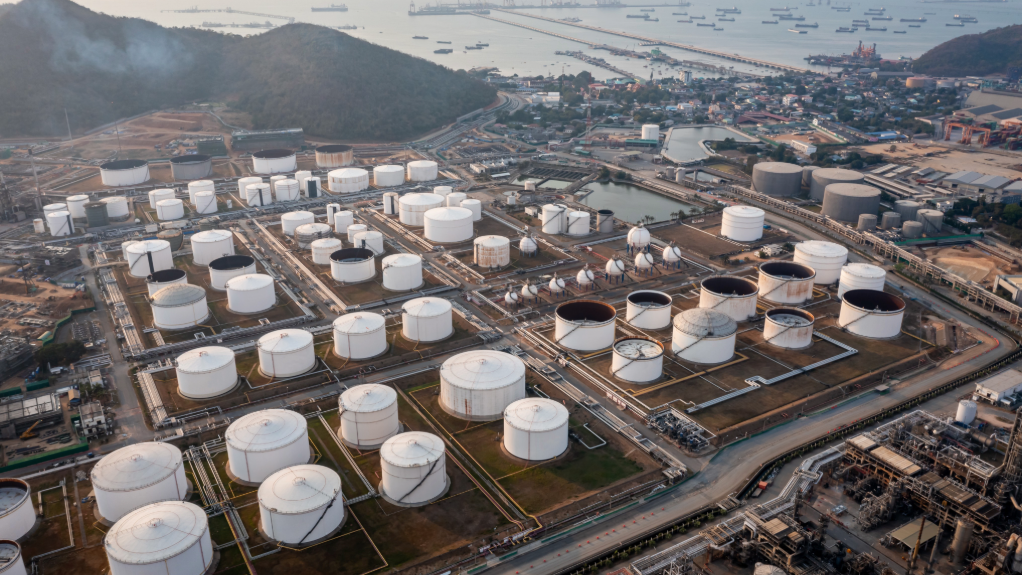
(648, 309)
(368, 415)
(11, 560)
(162, 194)
(789, 328)
(287, 190)
(370, 240)
(491, 252)
(334, 156)
(475, 206)
(51, 208)
(638, 238)
(167, 537)
(250, 293)
(478, 385)
(60, 223)
(116, 207)
(402, 272)
(742, 223)
(826, 258)
(323, 248)
(422, 171)
(348, 180)
(360, 335)
(124, 248)
(704, 336)
(205, 203)
(206, 372)
(585, 325)
(454, 199)
(342, 220)
(731, 295)
(442, 190)
(388, 176)
(352, 265)
(199, 186)
(786, 282)
(536, 429)
(17, 514)
(414, 468)
(210, 245)
(651, 132)
(413, 207)
(179, 306)
(137, 475)
(301, 505)
(124, 173)
(244, 183)
(277, 161)
(300, 177)
(305, 234)
(390, 203)
(966, 413)
(871, 313)
(578, 224)
(257, 195)
(163, 278)
(264, 442)
(290, 221)
(170, 209)
(861, 276)
(140, 254)
(426, 319)
(286, 352)
(76, 205)
(554, 219)
(637, 359)
(227, 267)
(448, 225)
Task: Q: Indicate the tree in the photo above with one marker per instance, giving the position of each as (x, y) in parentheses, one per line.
(604, 173)
(60, 353)
(845, 115)
(749, 163)
(1011, 213)
(621, 175)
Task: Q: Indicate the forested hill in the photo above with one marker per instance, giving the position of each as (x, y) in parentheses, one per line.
(992, 52)
(55, 54)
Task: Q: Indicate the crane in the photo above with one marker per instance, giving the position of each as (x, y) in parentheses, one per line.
(29, 433)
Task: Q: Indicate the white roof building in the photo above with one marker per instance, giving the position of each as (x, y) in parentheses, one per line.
(998, 388)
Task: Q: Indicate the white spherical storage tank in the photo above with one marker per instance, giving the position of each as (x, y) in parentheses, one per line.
(227, 267)
(156, 195)
(11, 561)
(368, 415)
(342, 220)
(731, 295)
(139, 255)
(637, 359)
(388, 176)
(402, 272)
(454, 199)
(370, 240)
(786, 282)
(414, 468)
(426, 319)
(475, 206)
(578, 224)
(274, 161)
(116, 207)
(638, 237)
(650, 132)
(861, 276)
(137, 475)
(789, 328)
(250, 293)
(287, 190)
(648, 309)
(422, 171)
(210, 245)
(257, 195)
(199, 186)
(448, 225)
(163, 278)
(179, 306)
(491, 252)
(360, 335)
(171, 209)
(353, 265)
(290, 221)
(478, 385)
(205, 203)
(742, 223)
(323, 248)
(413, 207)
(60, 224)
(286, 353)
(536, 429)
(704, 336)
(585, 325)
(17, 515)
(167, 537)
(871, 313)
(264, 442)
(826, 258)
(347, 180)
(301, 504)
(206, 372)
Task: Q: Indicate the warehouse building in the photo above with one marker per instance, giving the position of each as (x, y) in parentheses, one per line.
(17, 416)
(1001, 387)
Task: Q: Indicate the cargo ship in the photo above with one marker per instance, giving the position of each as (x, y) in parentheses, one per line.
(330, 8)
(790, 17)
(846, 29)
(698, 17)
(861, 56)
(914, 26)
(443, 42)
(679, 13)
(709, 25)
(637, 16)
(882, 18)
(913, 19)
(443, 51)
(901, 31)
(965, 18)
(813, 25)
(769, 21)
(959, 24)
(785, 9)
(420, 38)
(872, 29)
(797, 31)
(685, 21)
(725, 19)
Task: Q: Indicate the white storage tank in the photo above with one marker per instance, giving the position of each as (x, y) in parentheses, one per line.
(139, 255)
(786, 282)
(257, 195)
(116, 208)
(301, 176)
(348, 180)
(11, 561)
(227, 267)
(199, 186)
(742, 223)
(448, 225)
(578, 224)
(334, 156)
(120, 173)
(390, 203)
(820, 179)
(871, 313)
(414, 468)
(51, 208)
(426, 319)
(137, 475)
(172, 209)
(536, 429)
(124, 248)
(789, 328)
(60, 224)
(402, 272)
(368, 416)
(422, 171)
(250, 293)
(205, 203)
(264, 442)
(38, 225)
(163, 278)
(704, 336)
(290, 221)
(17, 514)
(301, 505)
(966, 413)
(651, 132)
(244, 183)
(554, 219)
(413, 207)
(323, 248)
(179, 306)
(352, 265)
(638, 238)
(585, 325)
(861, 276)
(342, 220)
(637, 359)
(370, 240)
(478, 385)
(360, 335)
(278, 161)
(826, 258)
(730, 295)
(156, 195)
(475, 206)
(388, 176)
(648, 309)
(305, 234)
(168, 537)
(287, 190)
(76, 205)
(331, 209)
(286, 353)
(442, 190)
(206, 372)
(210, 245)
(454, 199)
(491, 252)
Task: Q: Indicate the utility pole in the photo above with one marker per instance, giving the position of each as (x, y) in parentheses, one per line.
(35, 174)
(70, 138)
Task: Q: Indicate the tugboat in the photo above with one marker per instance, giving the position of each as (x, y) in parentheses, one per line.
(331, 8)
(419, 38)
